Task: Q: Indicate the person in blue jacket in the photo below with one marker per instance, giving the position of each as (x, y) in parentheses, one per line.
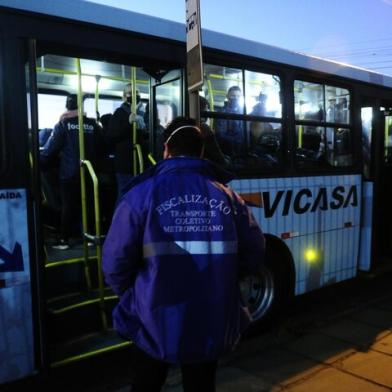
(63, 144)
(230, 133)
(179, 241)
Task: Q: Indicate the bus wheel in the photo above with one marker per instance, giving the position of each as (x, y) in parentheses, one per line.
(269, 290)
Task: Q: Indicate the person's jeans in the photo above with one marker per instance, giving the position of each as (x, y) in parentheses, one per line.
(150, 374)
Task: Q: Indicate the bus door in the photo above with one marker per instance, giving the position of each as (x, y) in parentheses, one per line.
(377, 172)
(167, 104)
(384, 175)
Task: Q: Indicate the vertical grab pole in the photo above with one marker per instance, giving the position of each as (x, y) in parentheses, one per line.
(134, 124)
(82, 173)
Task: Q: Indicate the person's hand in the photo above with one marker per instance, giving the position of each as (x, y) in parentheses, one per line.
(132, 118)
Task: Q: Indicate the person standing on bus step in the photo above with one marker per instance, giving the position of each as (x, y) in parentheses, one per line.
(64, 144)
(178, 244)
(120, 132)
(230, 133)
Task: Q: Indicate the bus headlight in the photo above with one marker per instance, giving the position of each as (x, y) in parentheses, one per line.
(311, 255)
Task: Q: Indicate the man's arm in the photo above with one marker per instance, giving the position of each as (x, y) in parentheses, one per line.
(122, 250)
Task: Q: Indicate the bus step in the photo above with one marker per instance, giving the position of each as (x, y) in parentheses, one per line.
(86, 347)
(73, 316)
(75, 251)
(62, 303)
(67, 278)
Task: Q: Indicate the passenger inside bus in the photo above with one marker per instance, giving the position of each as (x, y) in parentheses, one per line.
(230, 133)
(107, 175)
(265, 142)
(120, 133)
(212, 151)
(342, 148)
(63, 144)
(260, 108)
(310, 151)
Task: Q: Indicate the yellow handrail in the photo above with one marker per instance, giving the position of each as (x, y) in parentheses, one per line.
(66, 72)
(212, 103)
(97, 239)
(151, 159)
(387, 122)
(82, 171)
(139, 154)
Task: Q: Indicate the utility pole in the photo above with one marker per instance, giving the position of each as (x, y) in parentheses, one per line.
(194, 64)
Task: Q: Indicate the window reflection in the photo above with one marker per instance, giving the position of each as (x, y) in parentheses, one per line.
(309, 101)
(310, 145)
(337, 105)
(221, 85)
(259, 149)
(340, 147)
(323, 146)
(367, 118)
(317, 102)
(262, 94)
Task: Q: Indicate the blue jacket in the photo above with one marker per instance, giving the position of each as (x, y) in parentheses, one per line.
(178, 242)
(231, 133)
(64, 144)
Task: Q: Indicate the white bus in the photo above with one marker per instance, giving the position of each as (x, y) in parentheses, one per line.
(309, 142)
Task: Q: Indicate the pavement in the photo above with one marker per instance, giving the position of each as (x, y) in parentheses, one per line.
(349, 352)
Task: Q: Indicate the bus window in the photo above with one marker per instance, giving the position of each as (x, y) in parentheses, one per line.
(265, 144)
(339, 146)
(317, 142)
(337, 105)
(218, 81)
(236, 103)
(367, 130)
(388, 140)
(309, 101)
(262, 95)
(50, 108)
(310, 146)
(168, 107)
(105, 106)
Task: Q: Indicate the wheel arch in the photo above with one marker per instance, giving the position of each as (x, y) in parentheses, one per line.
(273, 246)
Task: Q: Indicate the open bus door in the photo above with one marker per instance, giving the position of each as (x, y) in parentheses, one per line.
(384, 206)
(167, 103)
(377, 170)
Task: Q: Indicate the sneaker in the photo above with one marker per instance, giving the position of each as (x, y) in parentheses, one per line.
(61, 245)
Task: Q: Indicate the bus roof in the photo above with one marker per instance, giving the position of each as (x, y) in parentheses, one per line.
(86, 11)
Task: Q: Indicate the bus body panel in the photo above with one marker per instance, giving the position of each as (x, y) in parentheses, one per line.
(16, 323)
(317, 217)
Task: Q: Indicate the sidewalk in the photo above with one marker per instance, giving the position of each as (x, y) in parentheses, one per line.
(352, 352)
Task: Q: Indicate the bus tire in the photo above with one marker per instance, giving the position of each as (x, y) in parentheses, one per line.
(269, 291)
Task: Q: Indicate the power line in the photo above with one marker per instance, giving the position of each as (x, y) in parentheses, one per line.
(358, 52)
(350, 43)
